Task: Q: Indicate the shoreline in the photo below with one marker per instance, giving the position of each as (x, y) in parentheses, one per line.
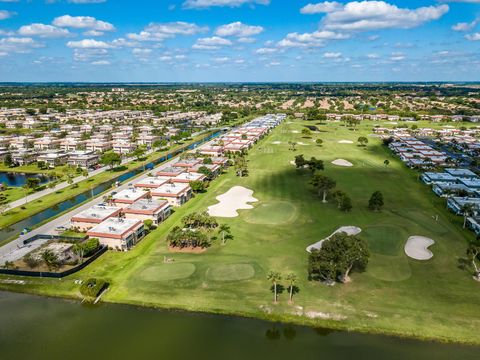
(285, 319)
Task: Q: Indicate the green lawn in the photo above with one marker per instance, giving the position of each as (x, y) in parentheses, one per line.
(17, 214)
(396, 295)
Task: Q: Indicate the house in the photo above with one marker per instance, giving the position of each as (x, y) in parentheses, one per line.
(452, 189)
(152, 182)
(187, 163)
(170, 171)
(127, 197)
(188, 177)
(456, 204)
(433, 177)
(175, 193)
(155, 210)
(461, 173)
(214, 168)
(473, 222)
(93, 216)
(24, 157)
(118, 233)
(83, 159)
(53, 159)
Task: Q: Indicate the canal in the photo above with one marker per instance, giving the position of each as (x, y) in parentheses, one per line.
(15, 229)
(15, 179)
(45, 328)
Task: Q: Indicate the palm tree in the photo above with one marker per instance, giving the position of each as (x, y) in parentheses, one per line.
(386, 162)
(291, 278)
(274, 277)
(224, 229)
(467, 211)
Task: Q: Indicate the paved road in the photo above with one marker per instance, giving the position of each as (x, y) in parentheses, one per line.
(63, 185)
(15, 249)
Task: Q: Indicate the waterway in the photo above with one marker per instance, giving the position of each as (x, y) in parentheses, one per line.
(15, 229)
(45, 328)
(15, 179)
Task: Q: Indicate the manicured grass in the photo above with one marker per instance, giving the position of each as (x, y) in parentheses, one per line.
(434, 299)
(17, 214)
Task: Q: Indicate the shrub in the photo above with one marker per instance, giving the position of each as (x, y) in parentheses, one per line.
(93, 287)
(90, 246)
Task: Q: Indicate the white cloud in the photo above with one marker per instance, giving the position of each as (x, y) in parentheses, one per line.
(42, 30)
(473, 37)
(101, 62)
(332, 55)
(138, 51)
(163, 31)
(238, 29)
(263, 51)
(247, 40)
(18, 45)
(464, 26)
(308, 40)
(373, 15)
(397, 56)
(373, 56)
(4, 14)
(203, 4)
(324, 7)
(211, 43)
(93, 33)
(89, 44)
(82, 22)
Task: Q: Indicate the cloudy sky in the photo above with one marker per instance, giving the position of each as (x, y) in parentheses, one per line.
(239, 40)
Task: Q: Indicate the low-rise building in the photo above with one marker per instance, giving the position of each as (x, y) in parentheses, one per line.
(93, 216)
(152, 182)
(83, 159)
(118, 233)
(127, 197)
(175, 193)
(155, 210)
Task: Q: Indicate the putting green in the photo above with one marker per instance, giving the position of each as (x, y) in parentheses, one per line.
(385, 239)
(389, 268)
(230, 272)
(272, 213)
(166, 272)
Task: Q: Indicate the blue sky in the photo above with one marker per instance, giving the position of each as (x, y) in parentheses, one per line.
(239, 40)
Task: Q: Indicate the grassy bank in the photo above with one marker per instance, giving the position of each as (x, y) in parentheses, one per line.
(434, 299)
(31, 208)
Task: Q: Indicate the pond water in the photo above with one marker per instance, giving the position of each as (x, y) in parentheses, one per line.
(19, 179)
(45, 328)
(15, 229)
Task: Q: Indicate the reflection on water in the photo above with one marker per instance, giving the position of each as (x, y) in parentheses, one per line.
(44, 328)
(40, 217)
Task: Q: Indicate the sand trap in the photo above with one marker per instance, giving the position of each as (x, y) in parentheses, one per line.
(295, 132)
(301, 143)
(342, 162)
(276, 142)
(449, 126)
(349, 230)
(417, 247)
(345, 142)
(234, 199)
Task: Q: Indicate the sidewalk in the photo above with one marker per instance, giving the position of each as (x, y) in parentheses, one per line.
(63, 185)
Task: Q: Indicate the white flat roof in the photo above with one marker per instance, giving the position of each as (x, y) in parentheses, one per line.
(96, 212)
(115, 226)
(129, 195)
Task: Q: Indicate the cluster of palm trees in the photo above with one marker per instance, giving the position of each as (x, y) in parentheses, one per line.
(275, 277)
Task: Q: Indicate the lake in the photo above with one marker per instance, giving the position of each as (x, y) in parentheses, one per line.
(45, 328)
(19, 179)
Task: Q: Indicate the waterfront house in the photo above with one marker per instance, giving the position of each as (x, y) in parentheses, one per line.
(118, 233)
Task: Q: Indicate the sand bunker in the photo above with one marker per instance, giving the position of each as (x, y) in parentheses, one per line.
(295, 132)
(234, 199)
(301, 143)
(276, 142)
(349, 230)
(417, 247)
(345, 142)
(342, 162)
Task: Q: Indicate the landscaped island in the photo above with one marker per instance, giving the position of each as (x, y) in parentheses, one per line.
(393, 294)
